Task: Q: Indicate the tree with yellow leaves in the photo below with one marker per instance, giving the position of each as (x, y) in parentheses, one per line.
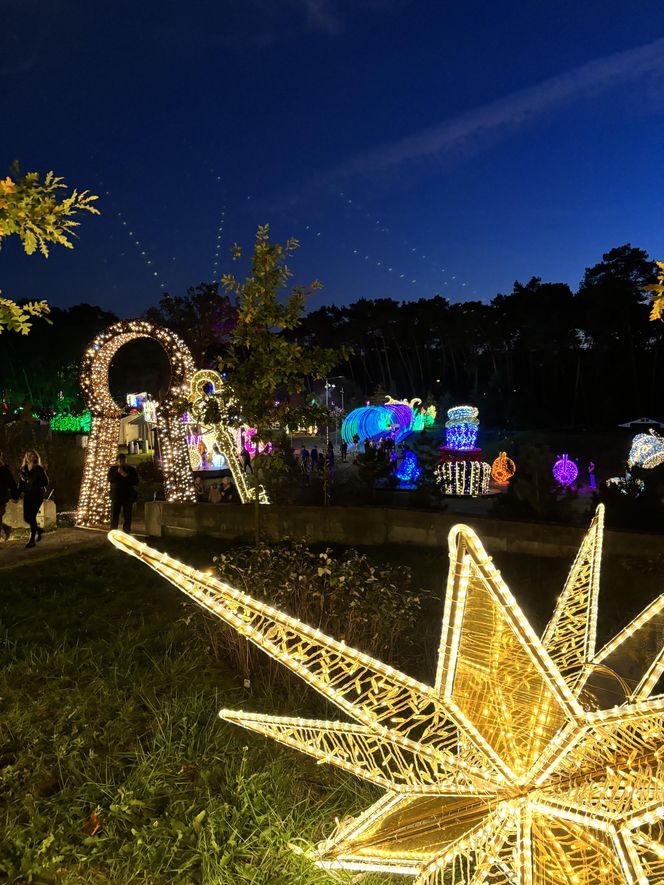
(39, 214)
(657, 289)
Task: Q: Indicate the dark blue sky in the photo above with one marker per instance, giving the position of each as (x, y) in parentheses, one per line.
(413, 147)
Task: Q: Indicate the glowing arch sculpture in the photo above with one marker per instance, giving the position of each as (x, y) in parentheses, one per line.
(204, 383)
(530, 760)
(94, 507)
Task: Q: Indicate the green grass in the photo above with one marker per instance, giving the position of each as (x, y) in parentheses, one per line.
(108, 704)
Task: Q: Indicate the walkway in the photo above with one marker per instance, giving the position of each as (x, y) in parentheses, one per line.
(59, 542)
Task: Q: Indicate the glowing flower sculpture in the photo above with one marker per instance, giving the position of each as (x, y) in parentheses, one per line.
(529, 761)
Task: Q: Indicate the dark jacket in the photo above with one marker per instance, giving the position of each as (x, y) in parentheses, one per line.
(123, 487)
(8, 487)
(33, 483)
(228, 494)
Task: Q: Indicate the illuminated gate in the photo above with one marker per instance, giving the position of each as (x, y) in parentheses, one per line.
(94, 506)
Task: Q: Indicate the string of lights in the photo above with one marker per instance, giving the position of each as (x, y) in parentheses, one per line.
(204, 384)
(515, 767)
(503, 468)
(94, 503)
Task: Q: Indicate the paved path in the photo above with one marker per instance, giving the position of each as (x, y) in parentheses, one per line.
(58, 542)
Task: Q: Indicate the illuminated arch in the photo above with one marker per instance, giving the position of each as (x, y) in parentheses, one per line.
(204, 383)
(94, 507)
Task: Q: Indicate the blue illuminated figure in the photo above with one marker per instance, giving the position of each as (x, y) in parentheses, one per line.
(409, 471)
(461, 428)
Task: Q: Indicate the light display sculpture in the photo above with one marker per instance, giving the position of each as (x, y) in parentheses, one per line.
(409, 471)
(647, 450)
(503, 468)
(528, 762)
(463, 477)
(68, 422)
(461, 428)
(94, 506)
(565, 471)
(206, 383)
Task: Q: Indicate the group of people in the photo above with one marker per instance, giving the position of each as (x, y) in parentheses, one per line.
(31, 486)
(313, 461)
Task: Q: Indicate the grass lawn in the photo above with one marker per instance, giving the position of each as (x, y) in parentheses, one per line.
(114, 766)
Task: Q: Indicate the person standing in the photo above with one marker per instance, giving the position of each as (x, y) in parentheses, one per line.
(32, 484)
(246, 460)
(314, 458)
(8, 491)
(123, 480)
(228, 493)
(343, 449)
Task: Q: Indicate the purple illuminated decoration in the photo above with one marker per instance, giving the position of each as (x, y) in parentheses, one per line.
(565, 471)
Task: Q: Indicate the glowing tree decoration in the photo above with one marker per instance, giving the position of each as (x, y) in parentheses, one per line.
(463, 477)
(94, 506)
(409, 471)
(565, 471)
(204, 384)
(461, 428)
(647, 450)
(503, 468)
(528, 762)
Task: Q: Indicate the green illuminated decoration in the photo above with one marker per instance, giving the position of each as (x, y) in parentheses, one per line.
(70, 423)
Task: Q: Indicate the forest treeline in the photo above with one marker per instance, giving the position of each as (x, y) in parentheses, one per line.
(538, 356)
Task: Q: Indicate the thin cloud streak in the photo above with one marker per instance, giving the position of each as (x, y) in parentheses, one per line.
(513, 110)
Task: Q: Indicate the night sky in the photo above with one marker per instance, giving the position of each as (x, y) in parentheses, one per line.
(412, 147)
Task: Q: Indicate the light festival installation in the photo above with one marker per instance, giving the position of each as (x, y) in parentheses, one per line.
(503, 468)
(409, 471)
(565, 471)
(69, 422)
(530, 761)
(647, 450)
(372, 422)
(463, 477)
(206, 383)
(396, 418)
(94, 507)
(461, 428)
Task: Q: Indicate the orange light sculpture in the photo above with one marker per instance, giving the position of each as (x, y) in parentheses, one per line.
(503, 468)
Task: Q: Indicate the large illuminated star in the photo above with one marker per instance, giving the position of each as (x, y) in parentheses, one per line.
(529, 761)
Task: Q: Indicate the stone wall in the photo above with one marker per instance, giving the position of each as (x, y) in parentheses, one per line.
(374, 526)
(46, 517)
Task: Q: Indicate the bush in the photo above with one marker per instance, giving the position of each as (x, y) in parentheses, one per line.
(372, 608)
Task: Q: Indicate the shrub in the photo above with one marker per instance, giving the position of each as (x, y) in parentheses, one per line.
(347, 596)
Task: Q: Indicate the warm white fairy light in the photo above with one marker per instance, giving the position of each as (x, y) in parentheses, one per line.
(508, 769)
(203, 383)
(94, 506)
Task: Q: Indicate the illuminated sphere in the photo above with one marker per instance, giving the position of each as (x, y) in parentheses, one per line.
(565, 471)
(503, 468)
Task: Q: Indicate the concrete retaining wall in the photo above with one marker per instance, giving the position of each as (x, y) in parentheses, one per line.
(46, 518)
(373, 526)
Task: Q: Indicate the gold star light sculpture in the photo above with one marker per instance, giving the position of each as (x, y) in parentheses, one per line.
(529, 761)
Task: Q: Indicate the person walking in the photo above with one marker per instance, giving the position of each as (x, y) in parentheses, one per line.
(123, 480)
(8, 491)
(314, 458)
(343, 449)
(32, 484)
